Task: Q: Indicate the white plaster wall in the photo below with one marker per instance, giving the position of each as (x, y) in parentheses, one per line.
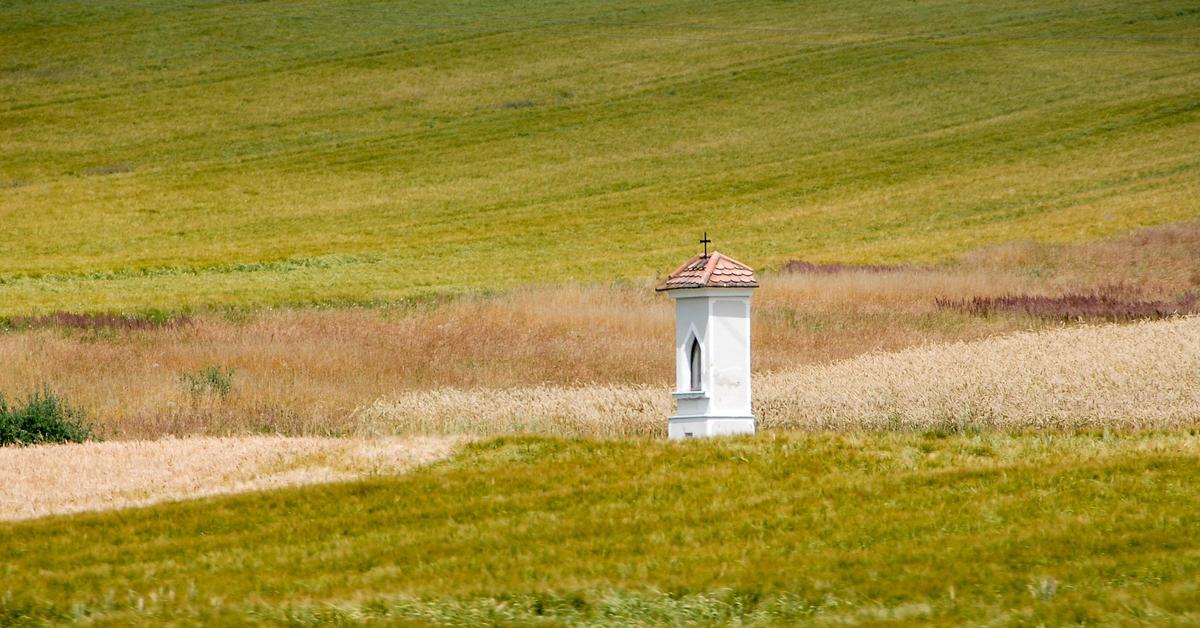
(720, 319)
(691, 317)
(701, 427)
(729, 356)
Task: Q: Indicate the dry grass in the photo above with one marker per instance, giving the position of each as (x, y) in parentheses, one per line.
(1159, 261)
(304, 372)
(590, 411)
(56, 479)
(1135, 377)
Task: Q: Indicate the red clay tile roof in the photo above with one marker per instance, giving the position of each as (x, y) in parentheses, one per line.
(714, 271)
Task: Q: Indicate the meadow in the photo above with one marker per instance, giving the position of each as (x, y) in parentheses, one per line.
(181, 156)
(867, 528)
(357, 299)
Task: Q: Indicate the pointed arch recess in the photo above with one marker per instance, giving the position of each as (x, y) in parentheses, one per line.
(695, 364)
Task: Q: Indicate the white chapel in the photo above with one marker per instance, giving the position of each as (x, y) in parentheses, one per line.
(712, 346)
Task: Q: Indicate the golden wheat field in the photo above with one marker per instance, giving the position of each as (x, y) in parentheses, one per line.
(1143, 376)
(56, 479)
(1122, 377)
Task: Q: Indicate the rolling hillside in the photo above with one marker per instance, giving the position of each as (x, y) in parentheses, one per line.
(179, 155)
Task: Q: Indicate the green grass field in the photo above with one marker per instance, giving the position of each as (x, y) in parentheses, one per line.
(1033, 529)
(177, 155)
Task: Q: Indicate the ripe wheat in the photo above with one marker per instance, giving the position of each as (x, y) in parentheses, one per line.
(1140, 376)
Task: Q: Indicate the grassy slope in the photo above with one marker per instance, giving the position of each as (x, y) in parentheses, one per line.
(306, 151)
(1049, 528)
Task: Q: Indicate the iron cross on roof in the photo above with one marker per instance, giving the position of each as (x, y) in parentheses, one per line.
(706, 242)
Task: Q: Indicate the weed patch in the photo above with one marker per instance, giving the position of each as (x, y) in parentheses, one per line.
(802, 267)
(107, 169)
(97, 322)
(210, 380)
(1114, 303)
(44, 417)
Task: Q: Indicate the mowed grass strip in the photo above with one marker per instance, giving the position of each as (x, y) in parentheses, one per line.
(181, 156)
(993, 527)
(55, 479)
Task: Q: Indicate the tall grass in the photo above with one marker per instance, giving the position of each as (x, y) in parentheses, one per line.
(1144, 376)
(591, 411)
(307, 371)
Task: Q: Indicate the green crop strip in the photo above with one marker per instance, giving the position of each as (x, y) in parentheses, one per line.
(495, 144)
(946, 529)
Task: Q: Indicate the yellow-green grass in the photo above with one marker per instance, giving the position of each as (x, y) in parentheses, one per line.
(1008, 529)
(181, 155)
